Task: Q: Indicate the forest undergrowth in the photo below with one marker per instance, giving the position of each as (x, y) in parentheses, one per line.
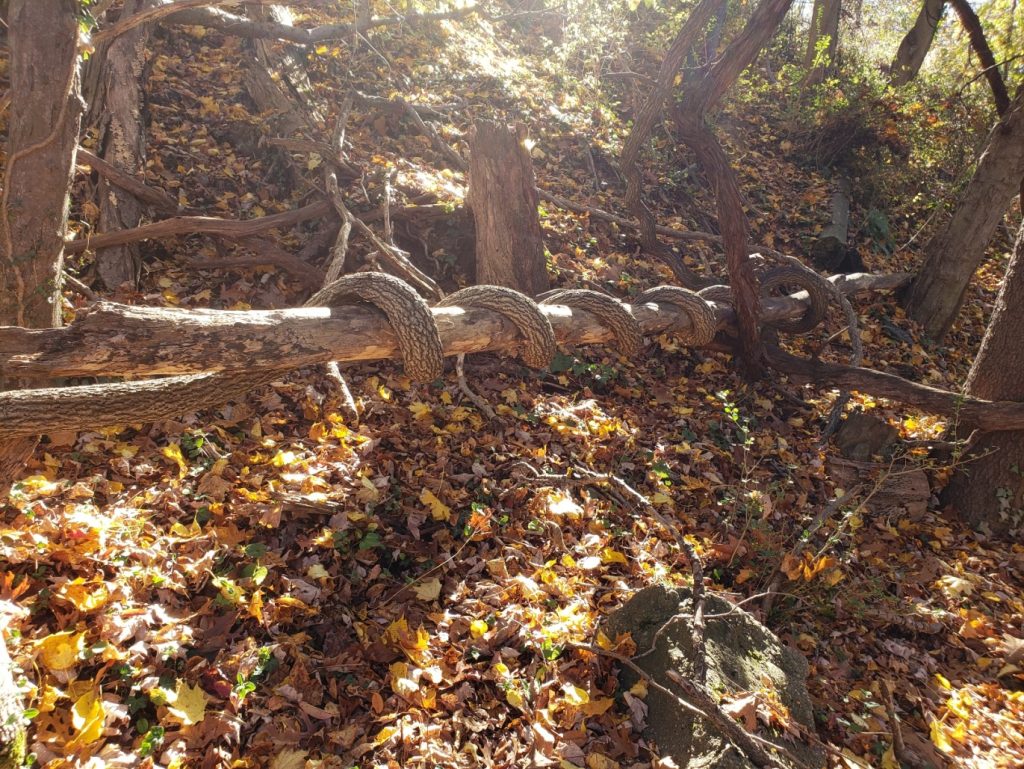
(277, 584)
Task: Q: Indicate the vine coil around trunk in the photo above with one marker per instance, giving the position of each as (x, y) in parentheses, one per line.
(539, 345)
(407, 313)
(610, 311)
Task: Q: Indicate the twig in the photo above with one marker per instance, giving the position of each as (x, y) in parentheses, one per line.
(154, 14)
(477, 400)
(826, 512)
(899, 746)
(80, 287)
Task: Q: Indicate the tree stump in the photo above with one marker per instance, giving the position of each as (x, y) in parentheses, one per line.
(503, 197)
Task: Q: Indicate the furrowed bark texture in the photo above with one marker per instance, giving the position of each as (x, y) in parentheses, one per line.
(689, 118)
(111, 339)
(649, 115)
(503, 197)
(122, 144)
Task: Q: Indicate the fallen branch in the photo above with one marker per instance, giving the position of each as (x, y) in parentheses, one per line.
(156, 198)
(987, 416)
(201, 225)
(109, 339)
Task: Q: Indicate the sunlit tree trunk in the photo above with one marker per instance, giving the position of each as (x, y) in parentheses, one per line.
(954, 253)
(914, 47)
(822, 40)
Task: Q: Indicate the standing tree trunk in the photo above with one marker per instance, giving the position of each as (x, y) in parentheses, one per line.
(914, 47)
(732, 221)
(42, 138)
(981, 48)
(822, 40)
(503, 196)
(954, 253)
(116, 105)
(988, 489)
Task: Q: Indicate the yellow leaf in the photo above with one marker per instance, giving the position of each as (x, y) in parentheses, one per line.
(943, 682)
(420, 410)
(889, 759)
(598, 706)
(88, 718)
(428, 590)
(478, 627)
(401, 681)
(317, 571)
(439, 511)
(574, 695)
(60, 651)
(939, 738)
(384, 735)
(178, 529)
(515, 698)
(289, 758)
(187, 704)
(597, 761)
(84, 596)
(612, 556)
(173, 453)
(660, 498)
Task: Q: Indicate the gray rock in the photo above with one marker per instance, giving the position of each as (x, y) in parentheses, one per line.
(742, 655)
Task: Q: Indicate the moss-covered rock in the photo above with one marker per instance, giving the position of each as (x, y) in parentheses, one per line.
(742, 656)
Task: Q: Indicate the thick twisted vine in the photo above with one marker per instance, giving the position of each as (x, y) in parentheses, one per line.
(611, 312)
(407, 313)
(703, 321)
(794, 274)
(716, 293)
(539, 345)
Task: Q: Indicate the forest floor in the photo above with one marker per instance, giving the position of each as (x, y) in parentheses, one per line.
(276, 584)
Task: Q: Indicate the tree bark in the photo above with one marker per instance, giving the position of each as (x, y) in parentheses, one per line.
(824, 26)
(954, 253)
(915, 44)
(988, 488)
(118, 110)
(503, 197)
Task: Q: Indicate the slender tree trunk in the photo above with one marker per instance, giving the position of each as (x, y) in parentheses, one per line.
(503, 196)
(988, 489)
(980, 46)
(914, 47)
(954, 253)
(824, 27)
(42, 137)
(689, 117)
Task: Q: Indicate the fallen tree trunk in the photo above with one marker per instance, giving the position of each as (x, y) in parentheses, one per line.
(111, 339)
